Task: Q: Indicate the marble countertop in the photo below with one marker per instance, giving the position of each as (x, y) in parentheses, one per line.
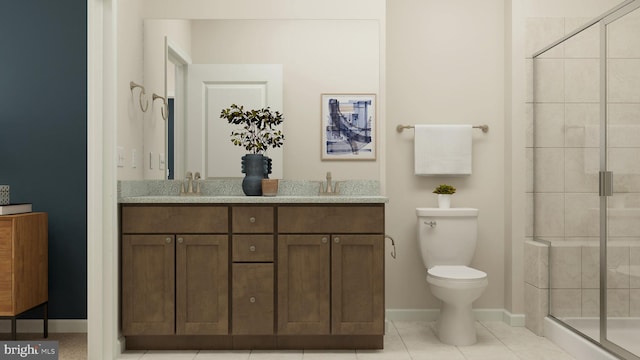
(228, 191)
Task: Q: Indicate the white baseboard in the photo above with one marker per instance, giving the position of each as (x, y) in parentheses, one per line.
(432, 315)
(36, 326)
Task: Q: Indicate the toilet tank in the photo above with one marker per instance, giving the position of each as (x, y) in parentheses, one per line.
(447, 236)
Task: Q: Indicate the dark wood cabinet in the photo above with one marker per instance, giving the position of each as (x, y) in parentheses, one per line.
(175, 283)
(253, 280)
(148, 287)
(331, 282)
(202, 289)
(265, 276)
(304, 284)
(357, 284)
(253, 308)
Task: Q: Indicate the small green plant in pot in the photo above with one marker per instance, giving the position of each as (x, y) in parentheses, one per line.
(258, 132)
(444, 192)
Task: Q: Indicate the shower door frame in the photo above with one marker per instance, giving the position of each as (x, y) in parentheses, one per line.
(605, 176)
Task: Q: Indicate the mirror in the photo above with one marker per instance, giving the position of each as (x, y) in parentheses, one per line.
(316, 56)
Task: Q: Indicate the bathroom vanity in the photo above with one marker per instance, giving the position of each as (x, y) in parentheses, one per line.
(237, 272)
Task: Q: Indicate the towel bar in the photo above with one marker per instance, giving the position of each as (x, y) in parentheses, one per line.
(485, 128)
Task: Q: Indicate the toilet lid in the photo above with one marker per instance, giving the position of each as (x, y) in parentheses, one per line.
(456, 272)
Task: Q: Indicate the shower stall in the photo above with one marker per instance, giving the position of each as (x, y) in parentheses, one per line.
(586, 177)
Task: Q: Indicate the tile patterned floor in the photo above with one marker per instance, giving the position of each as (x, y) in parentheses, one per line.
(405, 341)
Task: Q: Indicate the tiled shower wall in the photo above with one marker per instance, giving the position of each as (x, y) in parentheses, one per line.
(563, 157)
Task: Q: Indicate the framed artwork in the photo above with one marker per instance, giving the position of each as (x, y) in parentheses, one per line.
(349, 126)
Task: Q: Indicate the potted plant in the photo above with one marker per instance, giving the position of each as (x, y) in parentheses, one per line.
(257, 133)
(444, 192)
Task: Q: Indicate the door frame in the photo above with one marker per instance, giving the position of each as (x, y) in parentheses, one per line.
(180, 60)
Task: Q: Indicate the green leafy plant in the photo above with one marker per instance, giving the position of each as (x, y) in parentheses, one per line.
(444, 189)
(258, 130)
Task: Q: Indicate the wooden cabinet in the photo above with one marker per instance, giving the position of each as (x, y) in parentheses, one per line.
(332, 282)
(357, 284)
(304, 284)
(253, 276)
(174, 283)
(252, 299)
(252, 271)
(23, 265)
(202, 289)
(148, 288)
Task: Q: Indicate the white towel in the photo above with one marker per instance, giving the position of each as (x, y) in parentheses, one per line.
(443, 149)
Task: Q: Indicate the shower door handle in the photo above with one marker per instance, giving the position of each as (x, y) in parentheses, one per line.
(606, 183)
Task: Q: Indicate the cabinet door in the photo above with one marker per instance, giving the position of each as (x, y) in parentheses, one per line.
(357, 284)
(148, 280)
(303, 284)
(252, 299)
(202, 305)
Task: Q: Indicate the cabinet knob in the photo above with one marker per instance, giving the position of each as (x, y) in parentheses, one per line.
(167, 240)
(180, 240)
(252, 248)
(252, 219)
(324, 240)
(252, 299)
(337, 240)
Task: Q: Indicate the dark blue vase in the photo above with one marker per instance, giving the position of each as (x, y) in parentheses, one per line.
(255, 167)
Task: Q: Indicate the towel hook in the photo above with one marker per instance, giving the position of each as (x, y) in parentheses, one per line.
(164, 110)
(132, 86)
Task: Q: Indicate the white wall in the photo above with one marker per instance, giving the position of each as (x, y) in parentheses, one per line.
(445, 65)
(130, 68)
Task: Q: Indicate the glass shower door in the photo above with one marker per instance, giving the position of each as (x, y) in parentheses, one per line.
(620, 247)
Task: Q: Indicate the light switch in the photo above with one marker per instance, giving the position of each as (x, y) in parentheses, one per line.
(120, 156)
(151, 160)
(134, 158)
(161, 163)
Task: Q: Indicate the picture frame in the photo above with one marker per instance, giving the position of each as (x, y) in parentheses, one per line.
(348, 126)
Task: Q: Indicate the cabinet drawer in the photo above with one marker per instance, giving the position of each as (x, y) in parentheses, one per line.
(253, 299)
(331, 219)
(191, 219)
(252, 219)
(247, 248)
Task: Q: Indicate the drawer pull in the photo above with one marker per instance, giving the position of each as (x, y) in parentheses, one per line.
(337, 240)
(324, 240)
(180, 240)
(167, 240)
(252, 299)
(252, 219)
(252, 248)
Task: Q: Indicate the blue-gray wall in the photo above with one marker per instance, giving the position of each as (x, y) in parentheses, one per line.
(43, 142)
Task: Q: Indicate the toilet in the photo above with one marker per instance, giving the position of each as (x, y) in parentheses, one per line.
(447, 242)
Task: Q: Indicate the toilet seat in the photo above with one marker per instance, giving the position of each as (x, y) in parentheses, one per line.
(456, 272)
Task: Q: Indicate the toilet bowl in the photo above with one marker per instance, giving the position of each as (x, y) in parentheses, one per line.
(447, 240)
(457, 287)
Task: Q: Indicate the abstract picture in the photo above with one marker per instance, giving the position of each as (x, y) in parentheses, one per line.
(348, 126)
